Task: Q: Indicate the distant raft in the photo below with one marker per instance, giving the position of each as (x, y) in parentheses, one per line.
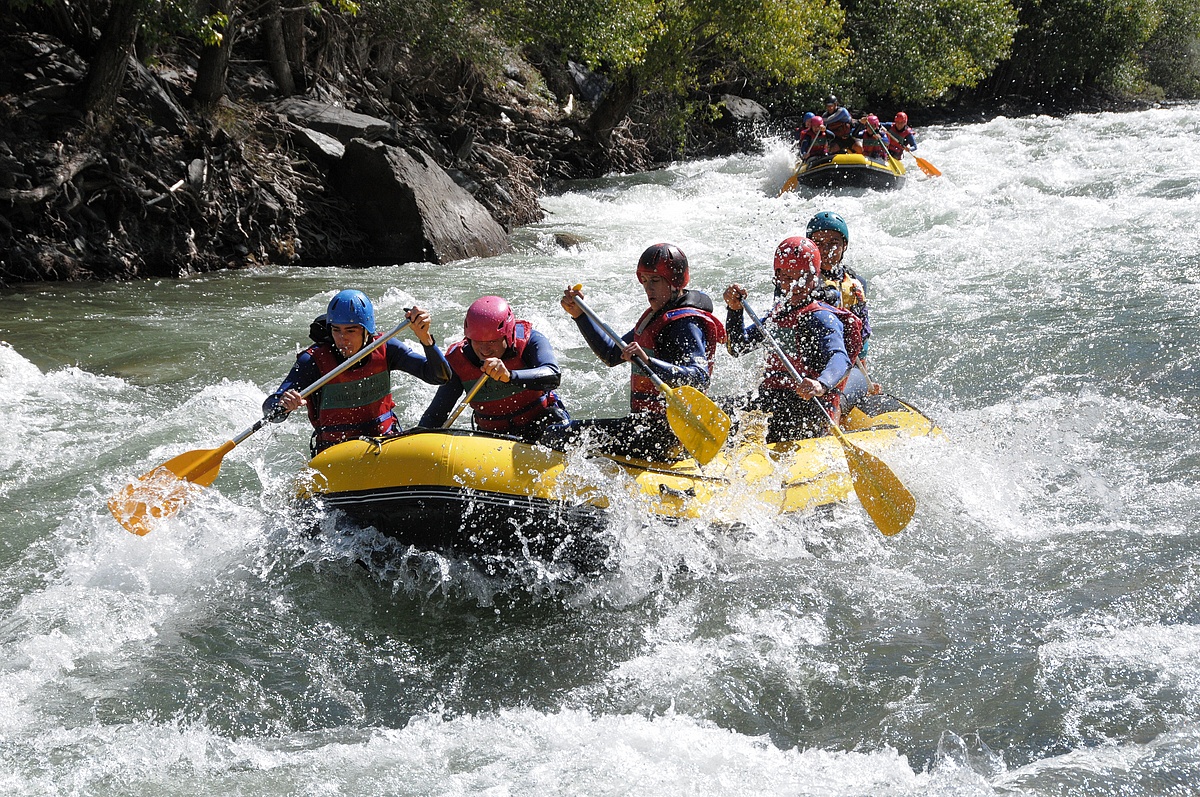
(477, 494)
(848, 171)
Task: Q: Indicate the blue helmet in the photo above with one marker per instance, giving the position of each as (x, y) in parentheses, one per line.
(827, 220)
(807, 116)
(351, 307)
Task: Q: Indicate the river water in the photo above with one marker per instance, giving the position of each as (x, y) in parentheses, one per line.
(1035, 631)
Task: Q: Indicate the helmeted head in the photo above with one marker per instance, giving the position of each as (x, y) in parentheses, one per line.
(796, 257)
(873, 121)
(667, 261)
(901, 120)
(828, 220)
(831, 234)
(351, 307)
(490, 318)
(839, 117)
(816, 123)
(832, 101)
(807, 117)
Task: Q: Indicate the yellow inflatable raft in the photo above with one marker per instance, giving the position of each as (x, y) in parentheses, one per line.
(473, 493)
(850, 171)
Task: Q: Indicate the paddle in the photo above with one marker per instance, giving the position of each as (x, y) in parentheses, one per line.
(462, 405)
(883, 135)
(699, 424)
(163, 491)
(887, 501)
(924, 165)
(791, 183)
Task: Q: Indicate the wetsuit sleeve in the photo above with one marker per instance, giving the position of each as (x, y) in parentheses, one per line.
(303, 373)
(443, 404)
(428, 366)
(682, 358)
(542, 372)
(741, 338)
(831, 347)
(600, 343)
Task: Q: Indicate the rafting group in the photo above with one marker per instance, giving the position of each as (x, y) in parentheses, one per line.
(509, 373)
(838, 132)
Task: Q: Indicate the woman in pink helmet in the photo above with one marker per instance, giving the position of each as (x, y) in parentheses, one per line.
(518, 397)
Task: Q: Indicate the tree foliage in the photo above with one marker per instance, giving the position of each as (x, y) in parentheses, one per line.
(919, 51)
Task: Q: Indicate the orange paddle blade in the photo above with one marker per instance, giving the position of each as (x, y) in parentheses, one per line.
(928, 167)
(164, 490)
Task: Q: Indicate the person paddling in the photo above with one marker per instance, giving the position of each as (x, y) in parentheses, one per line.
(846, 289)
(820, 340)
(519, 365)
(677, 334)
(900, 136)
(358, 403)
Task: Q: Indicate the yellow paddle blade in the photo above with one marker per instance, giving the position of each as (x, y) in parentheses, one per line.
(163, 491)
(928, 167)
(887, 501)
(791, 183)
(699, 424)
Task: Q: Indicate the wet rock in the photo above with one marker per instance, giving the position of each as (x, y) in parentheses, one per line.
(412, 208)
(340, 123)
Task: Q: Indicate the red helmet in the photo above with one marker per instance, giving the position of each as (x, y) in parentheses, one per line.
(901, 119)
(490, 318)
(816, 123)
(667, 261)
(797, 255)
(873, 121)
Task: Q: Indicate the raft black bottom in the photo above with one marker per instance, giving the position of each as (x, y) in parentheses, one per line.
(471, 523)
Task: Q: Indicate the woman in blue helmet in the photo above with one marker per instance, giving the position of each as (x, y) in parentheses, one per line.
(358, 403)
(845, 288)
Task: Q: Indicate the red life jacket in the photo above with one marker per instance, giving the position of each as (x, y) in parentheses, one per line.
(873, 147)
(501, 406)
(643, 395)
(777, 377)
(357, 403)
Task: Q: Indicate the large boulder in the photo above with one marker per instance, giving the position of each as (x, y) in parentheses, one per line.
(332, 120)
(412, 209)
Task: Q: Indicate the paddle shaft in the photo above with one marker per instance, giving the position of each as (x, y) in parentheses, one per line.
(642, 362)
(462, 405)
(787, 363)
(350, 362)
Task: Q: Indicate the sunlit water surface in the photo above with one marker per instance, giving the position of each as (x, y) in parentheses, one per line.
(1036, 630)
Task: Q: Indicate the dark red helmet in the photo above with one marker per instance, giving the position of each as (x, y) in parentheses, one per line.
(796, 256)
(816, 123)
(490, 318)
(901, 120)
(667, 261)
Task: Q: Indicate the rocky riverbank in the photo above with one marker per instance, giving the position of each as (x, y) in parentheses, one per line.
(439, 172)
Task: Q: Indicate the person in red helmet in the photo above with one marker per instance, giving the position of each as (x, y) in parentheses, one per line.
(900, 136)
(820, 340)
(677, 333)
(518, 398)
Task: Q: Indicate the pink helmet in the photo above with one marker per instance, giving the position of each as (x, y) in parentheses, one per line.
(490, 318)
(873, 121)
(901, 120)
(816, 123)
(797, 255)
